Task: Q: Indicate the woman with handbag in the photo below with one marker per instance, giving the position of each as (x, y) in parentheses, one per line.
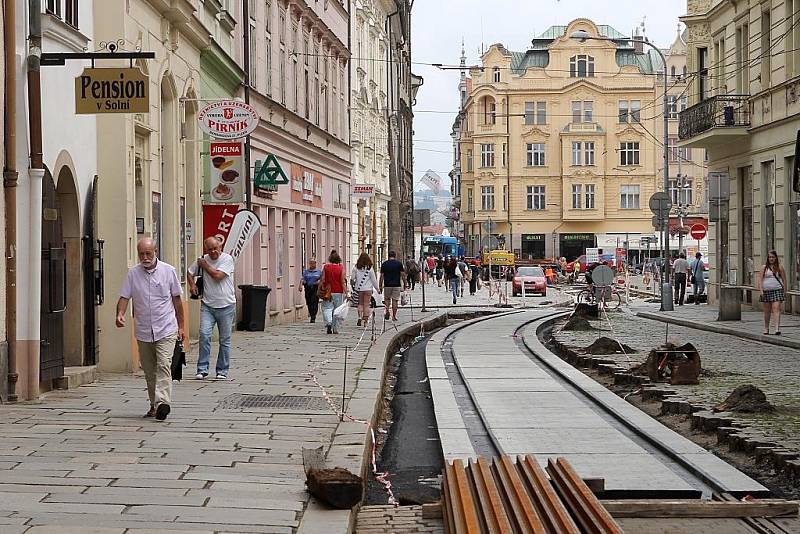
(772, 284)
(333, 287)
(363, 280)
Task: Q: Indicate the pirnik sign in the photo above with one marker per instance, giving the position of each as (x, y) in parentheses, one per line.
(111, 90)
(228, 119)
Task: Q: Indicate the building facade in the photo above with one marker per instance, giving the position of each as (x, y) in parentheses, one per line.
(688, 171)
(743, 88)
(369, 126)
(558, 148)
(402, 93)
(455, 224)
(149, 164)
(299, 84)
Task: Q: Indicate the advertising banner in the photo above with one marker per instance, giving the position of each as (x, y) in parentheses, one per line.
(218, 220)
(227, 176)
(245, 226)
(306, 186)
(111, 90)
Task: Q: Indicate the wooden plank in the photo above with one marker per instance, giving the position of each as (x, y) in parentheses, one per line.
(694, 508)
(433, 510)
(547, 503)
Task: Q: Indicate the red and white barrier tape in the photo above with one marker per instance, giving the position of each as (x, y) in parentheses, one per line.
(381, 476)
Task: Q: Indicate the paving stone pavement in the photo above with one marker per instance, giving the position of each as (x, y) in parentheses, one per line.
(88, 457)
(730, 360)
(388, 519)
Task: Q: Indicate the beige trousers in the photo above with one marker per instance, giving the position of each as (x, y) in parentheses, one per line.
(156, 360)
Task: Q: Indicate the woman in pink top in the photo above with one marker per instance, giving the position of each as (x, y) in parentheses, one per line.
(333, 278)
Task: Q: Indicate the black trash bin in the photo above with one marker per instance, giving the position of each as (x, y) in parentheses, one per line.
(254, 307)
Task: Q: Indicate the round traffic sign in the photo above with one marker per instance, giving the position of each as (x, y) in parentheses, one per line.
(602, 275)
(698, 231)
(660, 202)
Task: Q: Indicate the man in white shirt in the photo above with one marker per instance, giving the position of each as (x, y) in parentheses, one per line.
(218, 305)
(680, 269)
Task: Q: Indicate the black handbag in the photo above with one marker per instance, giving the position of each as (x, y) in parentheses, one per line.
(178, 361)
(198, 281)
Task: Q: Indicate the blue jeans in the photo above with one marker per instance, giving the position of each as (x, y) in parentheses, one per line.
(455, 285)
(223, 317)
(327, 309)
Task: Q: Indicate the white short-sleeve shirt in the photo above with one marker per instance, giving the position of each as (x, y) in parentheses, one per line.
(218, 293)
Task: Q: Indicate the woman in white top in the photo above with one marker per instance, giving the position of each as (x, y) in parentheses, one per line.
(772, 284)
(363, 280)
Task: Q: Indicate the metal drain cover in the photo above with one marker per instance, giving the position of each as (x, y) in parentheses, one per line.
(284, 402)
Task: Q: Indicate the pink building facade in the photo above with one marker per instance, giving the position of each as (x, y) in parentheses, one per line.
(299, 85)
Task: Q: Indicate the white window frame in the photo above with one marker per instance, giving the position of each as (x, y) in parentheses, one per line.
(496, 74)
(588, 193)
(588, 153)
(487, 155)
(470, 201)
(536, 154)
(577, 196)
(487, 198)
(578, 61)
(537, 198)
(583, 111)
(577, 149)
(629, 197)
(629, 153)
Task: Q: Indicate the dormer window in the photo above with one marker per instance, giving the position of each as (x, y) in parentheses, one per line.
(496, 75)
(581, 66)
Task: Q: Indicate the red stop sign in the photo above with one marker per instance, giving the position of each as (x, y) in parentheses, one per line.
(698, 231)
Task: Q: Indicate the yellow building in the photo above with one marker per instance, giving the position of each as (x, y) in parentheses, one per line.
(558, 149)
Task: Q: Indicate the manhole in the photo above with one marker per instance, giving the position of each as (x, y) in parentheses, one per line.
(284, 402)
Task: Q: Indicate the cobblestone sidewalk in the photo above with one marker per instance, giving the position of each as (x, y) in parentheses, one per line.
(88, 457)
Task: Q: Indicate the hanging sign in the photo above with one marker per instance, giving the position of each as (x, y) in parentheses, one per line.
(108, 90)
(363, 191)
(228, 119)
(245, 226)
(226, 172)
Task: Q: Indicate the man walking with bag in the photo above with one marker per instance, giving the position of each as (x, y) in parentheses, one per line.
(156, 293)
(218, 305)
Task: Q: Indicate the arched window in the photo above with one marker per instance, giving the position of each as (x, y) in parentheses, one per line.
(581, 66)
(684, 71)
(496, 74)
(672, 71)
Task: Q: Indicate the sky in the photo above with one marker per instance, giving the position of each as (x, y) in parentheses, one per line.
(438, 26)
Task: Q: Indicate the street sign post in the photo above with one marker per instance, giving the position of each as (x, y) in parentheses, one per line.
(661, 204)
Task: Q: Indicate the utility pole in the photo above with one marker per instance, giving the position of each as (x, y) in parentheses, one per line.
(248, 186)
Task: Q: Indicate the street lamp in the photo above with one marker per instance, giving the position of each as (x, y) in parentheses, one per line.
(582, 36)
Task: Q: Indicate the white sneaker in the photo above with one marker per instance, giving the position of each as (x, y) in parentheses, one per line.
(221, 377)
(200, 376)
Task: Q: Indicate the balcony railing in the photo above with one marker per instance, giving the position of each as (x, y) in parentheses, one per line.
(722, 111)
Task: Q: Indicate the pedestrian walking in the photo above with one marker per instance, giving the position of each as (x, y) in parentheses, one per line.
(698, 281)
(430, 263)
(439, 270)
(154, 288)
(218, 305)
(309, 283)
(680, 270)
(474, 276)
(772, 284)
(392, 279)
(363, 282)
(453, 276)
(413, 271)
(462, 266)
(333, 284)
